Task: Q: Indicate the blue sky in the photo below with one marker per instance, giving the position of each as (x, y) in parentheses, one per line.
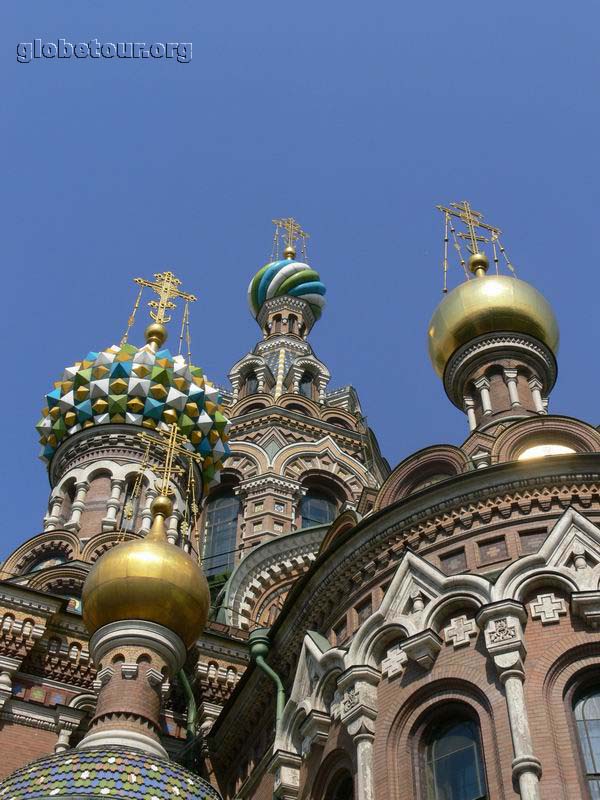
(356, 118)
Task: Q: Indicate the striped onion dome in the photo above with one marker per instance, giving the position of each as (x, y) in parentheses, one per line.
(286, 277)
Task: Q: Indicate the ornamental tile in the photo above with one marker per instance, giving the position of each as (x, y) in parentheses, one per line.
(127, 385)
(107, 772)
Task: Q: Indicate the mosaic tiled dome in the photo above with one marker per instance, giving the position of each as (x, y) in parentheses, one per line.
(286, 277)
(137, 386)
(107, 773)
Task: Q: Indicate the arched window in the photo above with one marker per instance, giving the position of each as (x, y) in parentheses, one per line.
(306, 385)
(250, 384)
(452, 761)
(587, 717)
(220, 535)
(317, 508)
(341, 787)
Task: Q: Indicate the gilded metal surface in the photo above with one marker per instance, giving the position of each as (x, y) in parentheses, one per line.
(148, 579)
(166, 285)
(489, 304)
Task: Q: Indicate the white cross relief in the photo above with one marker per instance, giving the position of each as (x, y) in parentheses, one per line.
(548, 608)
(395, 662)
(460, 631)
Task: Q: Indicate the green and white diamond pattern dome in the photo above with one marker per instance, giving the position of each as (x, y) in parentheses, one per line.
(138, 386)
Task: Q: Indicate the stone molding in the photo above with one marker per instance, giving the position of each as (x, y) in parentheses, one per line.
(481, 350)
(139, 633)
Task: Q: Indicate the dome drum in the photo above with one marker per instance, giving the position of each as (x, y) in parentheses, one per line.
(500, 348)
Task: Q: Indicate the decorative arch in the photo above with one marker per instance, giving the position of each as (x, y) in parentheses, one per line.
(29, 552)
(243, 406)
(579, 436)
(304, 404)
(345, 522)
(440, 460)
(336, 764)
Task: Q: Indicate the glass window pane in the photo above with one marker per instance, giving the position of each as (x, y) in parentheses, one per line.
(587, 714)
(221, 533)
(454, 767)
(316, 509)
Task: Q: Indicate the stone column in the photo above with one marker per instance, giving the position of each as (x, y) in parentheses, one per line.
(536, 392)
(470, 409)
(78, 506)
(8, 667)
(109, 523)
(503, 626)
(483, 387)
(358, 687)
(510, 377)
(146, 513)
(173, 527)
(52, 520)
(67, 720)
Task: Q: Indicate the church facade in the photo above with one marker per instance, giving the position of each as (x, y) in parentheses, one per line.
(428, 632)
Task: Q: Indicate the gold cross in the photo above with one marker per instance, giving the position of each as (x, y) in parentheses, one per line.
(173, 443)
(292, 229)
(473, 220)
(166, 287)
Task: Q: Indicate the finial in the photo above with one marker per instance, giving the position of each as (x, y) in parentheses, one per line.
(291, 232)
(476, 234)
(161, 508)
(166, 285)
(478, 264)
(174, 444)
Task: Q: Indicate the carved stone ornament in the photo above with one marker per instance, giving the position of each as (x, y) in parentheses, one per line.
(548, 608)
(460, 631)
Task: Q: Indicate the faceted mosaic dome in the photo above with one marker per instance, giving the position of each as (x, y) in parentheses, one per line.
(105, 773)
(138, 386)
(286, 277)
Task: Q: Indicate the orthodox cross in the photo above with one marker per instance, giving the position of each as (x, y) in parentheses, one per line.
(476, 233)
(173, 443)
(473, 221)
(291, 231)
(166, 285)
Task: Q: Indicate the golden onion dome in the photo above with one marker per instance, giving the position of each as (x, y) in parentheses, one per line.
(488, 304)
(148, 579)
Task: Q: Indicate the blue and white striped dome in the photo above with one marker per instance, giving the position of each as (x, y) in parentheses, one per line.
(286, 277)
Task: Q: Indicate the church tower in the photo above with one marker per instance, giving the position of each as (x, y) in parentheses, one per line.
(301, 452)
(133, 438)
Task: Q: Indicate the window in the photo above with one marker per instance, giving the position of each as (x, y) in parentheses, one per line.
(306, 385)
(220, 536)
(364, 610)
(453, 762)
(341, 787)
(587, 717)
(250, 384)
(317, 508)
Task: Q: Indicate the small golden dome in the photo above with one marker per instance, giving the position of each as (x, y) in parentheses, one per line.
(148, 579)
(488, 304)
